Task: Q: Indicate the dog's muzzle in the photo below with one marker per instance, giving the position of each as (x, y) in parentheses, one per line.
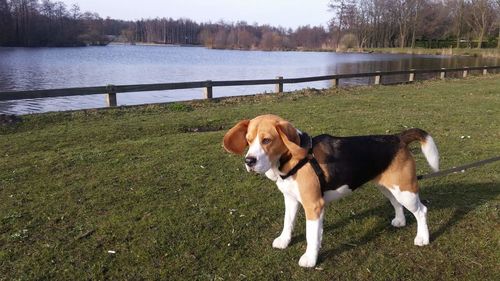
(250, 161)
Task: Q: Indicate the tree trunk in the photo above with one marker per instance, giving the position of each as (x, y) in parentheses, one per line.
(498, 39)
(481, 36)
(413, 37)
(402, 38)
(415, 24)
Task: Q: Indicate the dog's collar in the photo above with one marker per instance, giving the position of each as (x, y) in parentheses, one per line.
(299, 165)
(306, 142)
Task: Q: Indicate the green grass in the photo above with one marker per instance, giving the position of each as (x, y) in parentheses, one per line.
(175, 206)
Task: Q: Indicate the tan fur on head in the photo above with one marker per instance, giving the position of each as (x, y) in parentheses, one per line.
(284, 136)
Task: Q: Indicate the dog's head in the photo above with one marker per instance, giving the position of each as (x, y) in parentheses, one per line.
(269, 138)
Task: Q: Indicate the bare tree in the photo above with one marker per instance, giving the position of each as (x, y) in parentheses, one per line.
(220, 40)
(403, 13)
(6, 24)
(246, 40)
(415, 19)
(269, 41)
(339, 8)
(481, 18)
(207, 38)
(457, 13)
(498, 21)
(309, 37)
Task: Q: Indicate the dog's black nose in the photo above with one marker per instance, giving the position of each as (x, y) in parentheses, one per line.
(250, 161)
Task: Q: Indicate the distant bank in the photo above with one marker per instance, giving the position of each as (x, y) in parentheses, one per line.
(487, 53)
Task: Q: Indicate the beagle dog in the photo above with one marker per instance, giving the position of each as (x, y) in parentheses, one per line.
(316, 171)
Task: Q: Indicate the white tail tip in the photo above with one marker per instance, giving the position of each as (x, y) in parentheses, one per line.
(431, 153)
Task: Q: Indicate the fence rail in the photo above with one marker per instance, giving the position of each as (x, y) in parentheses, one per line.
(112, 90)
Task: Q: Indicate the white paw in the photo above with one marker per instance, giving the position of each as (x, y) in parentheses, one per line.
(307, 260)
(398, 222)
(281, 242)
(421, 240)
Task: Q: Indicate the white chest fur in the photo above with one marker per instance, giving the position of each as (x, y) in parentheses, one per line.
(288, 186)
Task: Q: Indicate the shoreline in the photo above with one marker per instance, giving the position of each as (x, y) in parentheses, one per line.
(486, 53)
(466, 52)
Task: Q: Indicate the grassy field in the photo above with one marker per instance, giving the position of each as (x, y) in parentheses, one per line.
(491, 52)
(142, 194)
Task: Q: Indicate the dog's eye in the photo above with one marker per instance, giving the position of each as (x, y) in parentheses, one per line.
(266, 141)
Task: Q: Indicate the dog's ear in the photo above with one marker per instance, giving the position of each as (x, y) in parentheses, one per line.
(235, 140)
(291, 139)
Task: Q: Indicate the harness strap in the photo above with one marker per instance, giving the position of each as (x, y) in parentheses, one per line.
(297, 167)
(314, 164)
(319, 173)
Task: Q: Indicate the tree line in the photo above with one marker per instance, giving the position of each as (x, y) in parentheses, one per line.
(223, 35)
(408, 23)
(32, 23)
(355, 24)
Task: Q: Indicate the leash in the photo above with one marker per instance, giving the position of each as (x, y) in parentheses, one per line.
(458, 169)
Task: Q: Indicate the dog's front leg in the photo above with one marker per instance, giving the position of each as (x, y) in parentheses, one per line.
(291, 206)
(314, 233)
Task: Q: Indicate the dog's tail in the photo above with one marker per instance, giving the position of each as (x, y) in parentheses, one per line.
(428, 145)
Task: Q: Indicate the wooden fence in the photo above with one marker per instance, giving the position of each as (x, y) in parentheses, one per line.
(111, 90)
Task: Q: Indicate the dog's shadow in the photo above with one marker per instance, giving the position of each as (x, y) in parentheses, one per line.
(458, 199)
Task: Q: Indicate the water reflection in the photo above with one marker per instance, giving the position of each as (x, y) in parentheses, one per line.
(45, 68)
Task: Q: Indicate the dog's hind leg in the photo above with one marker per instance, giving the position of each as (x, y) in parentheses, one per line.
(399, 219)
(411, 201)
(401, 181)
(291, 206)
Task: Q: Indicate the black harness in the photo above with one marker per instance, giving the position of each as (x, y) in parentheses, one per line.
(306, 142)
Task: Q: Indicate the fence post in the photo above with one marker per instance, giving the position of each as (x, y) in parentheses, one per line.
(485, 70)
(208, 93)
(111, 96)
(335, 82)
(412, 76)
(443, 73)
(278, 88)
(466, 72)
(378, 78)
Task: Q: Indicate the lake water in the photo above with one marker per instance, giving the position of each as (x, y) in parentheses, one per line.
(46, 68)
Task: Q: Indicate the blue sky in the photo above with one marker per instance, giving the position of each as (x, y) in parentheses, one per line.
(286, 13)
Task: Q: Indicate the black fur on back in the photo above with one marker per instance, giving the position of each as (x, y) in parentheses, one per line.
(354, 161)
